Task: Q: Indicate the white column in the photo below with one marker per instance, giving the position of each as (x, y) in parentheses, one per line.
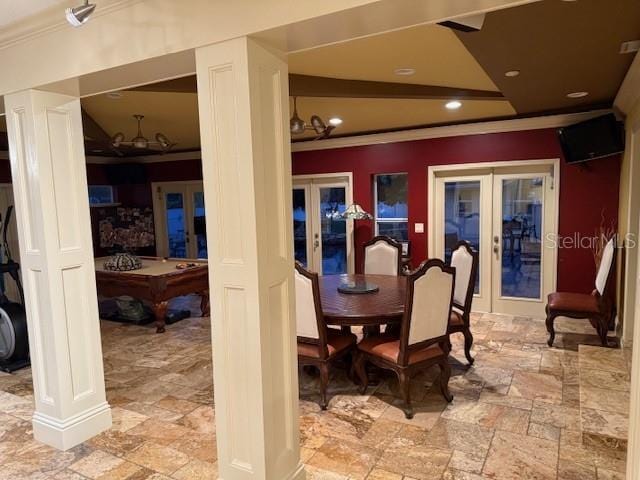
(246, 160)
(52, 211)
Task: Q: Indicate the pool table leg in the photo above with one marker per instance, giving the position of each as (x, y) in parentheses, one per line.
(160, 312)
(204, 303)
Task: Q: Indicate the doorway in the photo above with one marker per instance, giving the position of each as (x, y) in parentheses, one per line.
(323, 241)
(179, 216)
(8, 287)
(508, 212)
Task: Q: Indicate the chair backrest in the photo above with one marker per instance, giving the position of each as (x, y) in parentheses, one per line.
(427, 307)
(465, 260)
(382, 256)
(607, 261)
(310, 325)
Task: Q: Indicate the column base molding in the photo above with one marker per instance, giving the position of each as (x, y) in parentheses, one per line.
(299, 473)
(68, 433)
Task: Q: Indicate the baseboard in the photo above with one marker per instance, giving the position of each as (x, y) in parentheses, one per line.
(66, 434)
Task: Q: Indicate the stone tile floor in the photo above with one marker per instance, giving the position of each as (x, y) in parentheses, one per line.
(515, 415)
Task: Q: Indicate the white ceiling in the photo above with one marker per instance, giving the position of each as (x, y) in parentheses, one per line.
(12, 11)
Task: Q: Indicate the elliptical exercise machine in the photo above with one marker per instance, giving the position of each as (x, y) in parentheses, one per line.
(14, 340)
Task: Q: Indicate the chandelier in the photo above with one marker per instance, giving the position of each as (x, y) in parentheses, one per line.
(298, 126)
(142, 142)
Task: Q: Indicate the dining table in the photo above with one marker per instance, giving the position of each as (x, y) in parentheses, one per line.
(370, 310)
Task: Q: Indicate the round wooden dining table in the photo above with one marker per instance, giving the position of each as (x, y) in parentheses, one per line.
(384, 306)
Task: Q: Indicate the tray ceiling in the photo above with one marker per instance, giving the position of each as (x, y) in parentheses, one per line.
(558, 46)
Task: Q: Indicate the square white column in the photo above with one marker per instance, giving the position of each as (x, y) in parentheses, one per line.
(246, 161)
(46, 148)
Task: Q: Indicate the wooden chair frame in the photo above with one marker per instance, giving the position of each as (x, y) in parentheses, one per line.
(401, 367)
(465, 329)
(601, 319)
(323, 363)
(388, 240)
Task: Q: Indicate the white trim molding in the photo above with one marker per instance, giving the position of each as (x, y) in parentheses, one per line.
(629, 93)
(498, 126)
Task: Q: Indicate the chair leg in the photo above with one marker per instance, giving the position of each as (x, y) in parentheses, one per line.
(359, 365)
(468, 342)
(324, 383)
(603, 328)
(552, 333)
(445, 375)
(405, 391)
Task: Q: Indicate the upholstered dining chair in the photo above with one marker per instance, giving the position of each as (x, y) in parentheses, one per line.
(465, 260)
(318, 345)
(382, 256)
(423, 340)
(597, 307)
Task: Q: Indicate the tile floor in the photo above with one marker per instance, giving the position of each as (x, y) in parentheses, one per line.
(516, 414)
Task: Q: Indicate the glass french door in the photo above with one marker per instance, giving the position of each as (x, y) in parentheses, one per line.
(322, 240)
(506, 215)
(180, 220)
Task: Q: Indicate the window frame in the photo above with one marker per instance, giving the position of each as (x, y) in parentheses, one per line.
(377, 220)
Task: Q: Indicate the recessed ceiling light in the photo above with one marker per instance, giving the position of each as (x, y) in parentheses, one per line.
(335, 121)
(114, 95)
(453, 105)
(512, 73)
(404, 72)
(577, 94)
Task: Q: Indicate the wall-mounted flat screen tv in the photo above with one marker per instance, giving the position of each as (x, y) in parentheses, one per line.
(595, 138)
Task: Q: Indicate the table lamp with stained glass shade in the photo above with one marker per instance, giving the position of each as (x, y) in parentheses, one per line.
(358, 285)
(354, 212)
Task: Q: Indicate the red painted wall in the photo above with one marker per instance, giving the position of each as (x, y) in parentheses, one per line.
(585, 191)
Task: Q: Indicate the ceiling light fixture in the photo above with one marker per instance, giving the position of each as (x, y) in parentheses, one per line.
(77, 16)
(298, 126)
(140, 141)
(577, 94)
(512, 73)
(453, 105)
(404, 72)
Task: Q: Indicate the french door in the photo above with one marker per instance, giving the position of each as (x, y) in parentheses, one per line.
(322, 241)
(180, 219)
(509, 215)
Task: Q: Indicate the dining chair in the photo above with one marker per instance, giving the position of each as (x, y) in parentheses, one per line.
(318, 346)
(382, 256)
(465, 260)
(423, 340)
(597, 307)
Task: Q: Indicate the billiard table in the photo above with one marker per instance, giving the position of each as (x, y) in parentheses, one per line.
(158, 281)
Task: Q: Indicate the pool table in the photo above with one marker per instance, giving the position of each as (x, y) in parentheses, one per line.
(158, 281)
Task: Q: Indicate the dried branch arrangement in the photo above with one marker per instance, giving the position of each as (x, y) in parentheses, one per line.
(603, 234)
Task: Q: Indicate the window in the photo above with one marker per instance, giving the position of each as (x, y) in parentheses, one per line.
(100, 194)
(391, 209)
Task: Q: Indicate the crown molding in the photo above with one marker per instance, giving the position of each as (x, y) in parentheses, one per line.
(629, 94)
(159, 158)
(51, 20)
(479, 128)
